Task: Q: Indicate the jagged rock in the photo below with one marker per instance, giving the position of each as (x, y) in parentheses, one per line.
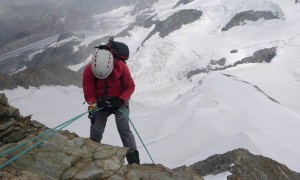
(6, 110)
(220, 62)
(81, 158)
(264, 55)
(177, 20)
(67, 156)
(197, 71)
(149, 171)
(59, 157)
(244, 166)
(3, 99)
(13, 127)
(234, 51)
(260, 56)
(251, 15)
(173, 22)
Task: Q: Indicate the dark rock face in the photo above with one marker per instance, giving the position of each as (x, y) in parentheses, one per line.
(67, 156)
(242, 17)
(244, 166)
(51, 74)
(260, 56)
(264, 55)
(234, 51)
(182, 2)
(13, 127)
(173, 22)
(220, 62)
(63, 53)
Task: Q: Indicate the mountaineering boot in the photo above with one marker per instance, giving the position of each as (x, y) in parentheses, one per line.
(133, 157)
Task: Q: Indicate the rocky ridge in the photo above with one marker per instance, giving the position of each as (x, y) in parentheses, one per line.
(242, 18)
(264, 55)
(67, 156)
(244, 166)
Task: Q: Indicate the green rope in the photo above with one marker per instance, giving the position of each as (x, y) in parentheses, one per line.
(54, 131)
(136, 133)
(32, 139)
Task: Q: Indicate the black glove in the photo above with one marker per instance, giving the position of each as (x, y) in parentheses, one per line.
(116, 102)
(102, 103)
(111, 104)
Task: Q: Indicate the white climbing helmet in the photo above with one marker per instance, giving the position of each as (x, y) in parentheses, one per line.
(102, 63)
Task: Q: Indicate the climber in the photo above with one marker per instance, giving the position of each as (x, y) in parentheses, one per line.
(108, 85)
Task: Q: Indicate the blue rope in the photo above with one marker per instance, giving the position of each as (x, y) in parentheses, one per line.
(136, 133)
(54, 131)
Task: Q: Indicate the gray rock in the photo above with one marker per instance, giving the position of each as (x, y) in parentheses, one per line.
(3, 99)
(242, 17)
(244, 166)
(174, 22)
(264, 55)
(234, 51)
(37, 124)
(148, 171)
(197, 71)
(5, 124)
(220, 62)
(260, 56)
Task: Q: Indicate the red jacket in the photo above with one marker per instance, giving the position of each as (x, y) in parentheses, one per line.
(119, 83)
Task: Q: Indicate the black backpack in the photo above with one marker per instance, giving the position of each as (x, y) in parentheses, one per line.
(118, 49)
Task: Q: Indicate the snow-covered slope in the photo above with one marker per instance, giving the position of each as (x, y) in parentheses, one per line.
(184, 120)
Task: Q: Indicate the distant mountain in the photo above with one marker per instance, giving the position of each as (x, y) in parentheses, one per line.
(52, 74)
(19, 26)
